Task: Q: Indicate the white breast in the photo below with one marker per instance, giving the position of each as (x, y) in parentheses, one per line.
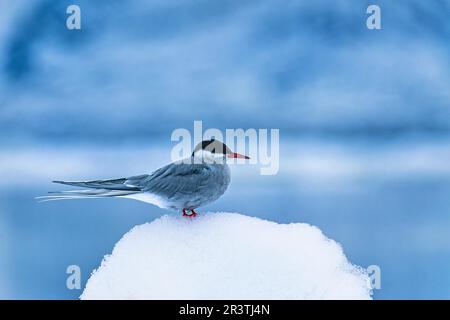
(149, 198)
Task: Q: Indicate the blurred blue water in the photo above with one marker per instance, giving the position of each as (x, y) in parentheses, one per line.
(302, 66)
(363, 116)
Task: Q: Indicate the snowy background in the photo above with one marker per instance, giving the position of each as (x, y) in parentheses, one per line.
(364, 119)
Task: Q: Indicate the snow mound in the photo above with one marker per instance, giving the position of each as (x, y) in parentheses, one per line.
(226, 256)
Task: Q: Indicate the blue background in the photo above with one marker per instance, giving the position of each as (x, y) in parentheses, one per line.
(363, 118)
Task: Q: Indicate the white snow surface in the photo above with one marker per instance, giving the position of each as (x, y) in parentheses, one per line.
(226, 256)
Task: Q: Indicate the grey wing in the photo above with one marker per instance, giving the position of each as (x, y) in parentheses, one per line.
(125, 184)
(182, 185)
(176, 179)
(168, 180)
(187, 186)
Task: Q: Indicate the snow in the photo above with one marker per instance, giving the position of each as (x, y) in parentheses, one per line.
(226, 256)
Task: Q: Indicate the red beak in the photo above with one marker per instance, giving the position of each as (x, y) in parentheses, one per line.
(237, 156)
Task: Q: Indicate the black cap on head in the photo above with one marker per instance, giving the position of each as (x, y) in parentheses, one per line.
(213, 146)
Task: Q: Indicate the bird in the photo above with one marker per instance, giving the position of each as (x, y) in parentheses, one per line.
(182, 185)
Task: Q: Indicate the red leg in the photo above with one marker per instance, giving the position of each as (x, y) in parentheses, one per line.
(192, 215)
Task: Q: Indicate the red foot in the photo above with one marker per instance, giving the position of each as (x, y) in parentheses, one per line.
(192, 215)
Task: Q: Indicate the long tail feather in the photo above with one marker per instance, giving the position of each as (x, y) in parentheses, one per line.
(96, 189)
(84, 194)
(113, 184)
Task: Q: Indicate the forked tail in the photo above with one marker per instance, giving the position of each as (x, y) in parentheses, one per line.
(96, 189)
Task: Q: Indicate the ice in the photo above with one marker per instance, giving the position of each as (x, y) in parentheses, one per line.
(226, 256)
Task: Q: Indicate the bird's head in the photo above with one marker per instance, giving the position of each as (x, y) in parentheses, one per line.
(215, 151)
